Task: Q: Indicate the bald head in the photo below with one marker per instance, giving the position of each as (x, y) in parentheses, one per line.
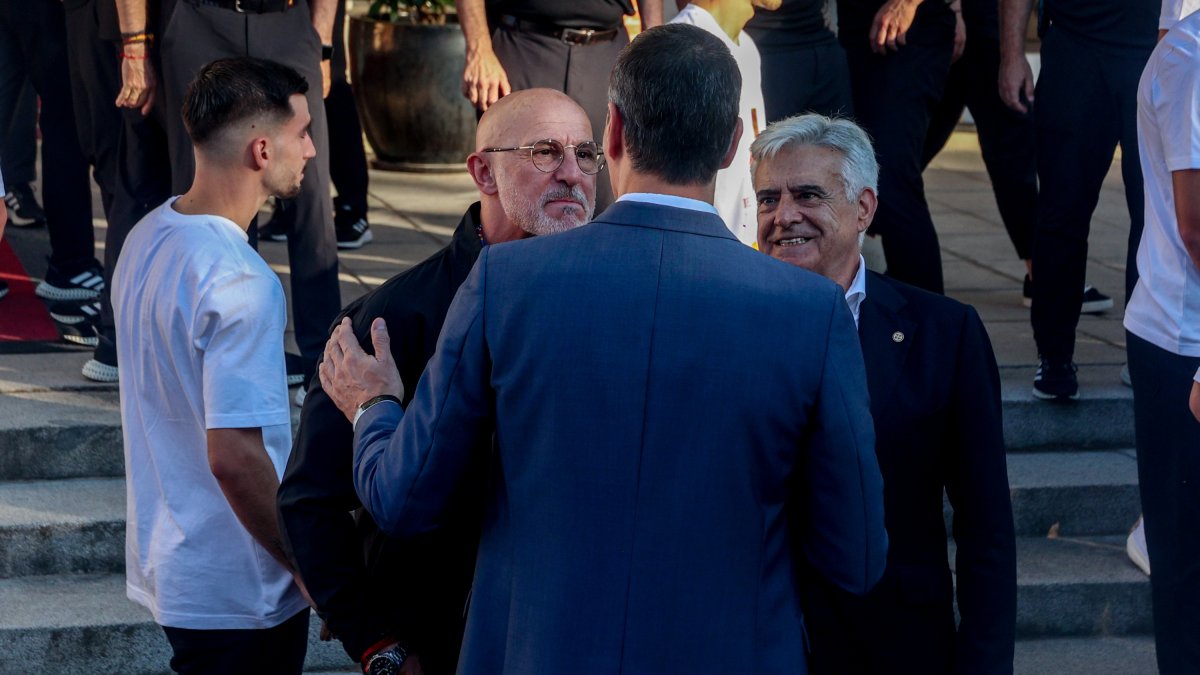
(518, 198)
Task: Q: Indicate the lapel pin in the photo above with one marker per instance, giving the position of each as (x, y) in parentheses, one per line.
(897, 337)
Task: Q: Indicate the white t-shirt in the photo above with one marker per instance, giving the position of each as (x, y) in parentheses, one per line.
(735, 188)
(1165, 307)
(200, 320)
(1175, 10)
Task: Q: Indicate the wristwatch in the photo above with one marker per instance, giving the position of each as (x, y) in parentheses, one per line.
(387, 661)
(367, 405)
(326, 52)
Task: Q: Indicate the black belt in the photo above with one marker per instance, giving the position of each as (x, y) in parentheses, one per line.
(571, 36)
(248, 6)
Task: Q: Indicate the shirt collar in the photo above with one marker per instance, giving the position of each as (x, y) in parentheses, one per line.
(858, 289)
(669, 200)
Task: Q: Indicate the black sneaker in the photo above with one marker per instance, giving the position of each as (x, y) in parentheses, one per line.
(1094, 302)
(23, 208)
(102, 367)
(1056, 381)
(77, 322)
(280, 224)
(84, 285)
(295, 368)
(351, 232)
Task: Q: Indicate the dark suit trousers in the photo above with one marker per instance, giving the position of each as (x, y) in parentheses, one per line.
(18, 141)
(894, 98)
(33, 34)
(279, 650)
(1086, 105)
(1006, 137)
(812, 78)
(128, 151)
(197, 35)
(1168, 456)
(581, 72)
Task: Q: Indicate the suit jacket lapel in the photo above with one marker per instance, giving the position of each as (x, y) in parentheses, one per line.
(880, 318)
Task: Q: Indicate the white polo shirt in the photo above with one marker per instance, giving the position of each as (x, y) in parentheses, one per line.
(200, 320)
(734, 199)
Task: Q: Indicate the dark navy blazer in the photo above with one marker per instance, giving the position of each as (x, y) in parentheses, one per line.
(676, 418)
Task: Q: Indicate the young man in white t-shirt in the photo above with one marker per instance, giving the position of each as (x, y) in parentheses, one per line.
(204, 406)
(725, 19)
(1162, 322)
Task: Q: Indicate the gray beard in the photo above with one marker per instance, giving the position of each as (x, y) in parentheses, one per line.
(532, 218)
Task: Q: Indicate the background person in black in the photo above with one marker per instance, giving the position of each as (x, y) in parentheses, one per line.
(899, 54)
(803, 66)
(1093, 52)
(373, 591)
(522, 44)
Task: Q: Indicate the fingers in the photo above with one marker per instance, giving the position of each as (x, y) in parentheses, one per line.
(149, 103)
(381, 340)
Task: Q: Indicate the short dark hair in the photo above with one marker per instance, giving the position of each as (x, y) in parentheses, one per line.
(229, 91)
(678, 90)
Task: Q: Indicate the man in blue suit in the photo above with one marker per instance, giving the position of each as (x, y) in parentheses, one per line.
(655, 479)
(935, 401)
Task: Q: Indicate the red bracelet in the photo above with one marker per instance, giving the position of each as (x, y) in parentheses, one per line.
(132, 57)
(374, 648)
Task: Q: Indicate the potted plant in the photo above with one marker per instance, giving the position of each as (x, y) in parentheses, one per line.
(406, 61)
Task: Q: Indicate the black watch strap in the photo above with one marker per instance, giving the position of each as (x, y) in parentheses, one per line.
(326, 52)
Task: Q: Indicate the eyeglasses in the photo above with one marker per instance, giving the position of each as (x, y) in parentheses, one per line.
(547, 155)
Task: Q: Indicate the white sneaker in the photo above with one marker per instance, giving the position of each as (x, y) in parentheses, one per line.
(1135, 546)
(298, 398)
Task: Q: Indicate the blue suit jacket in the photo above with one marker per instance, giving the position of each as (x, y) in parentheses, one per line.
(676, 417)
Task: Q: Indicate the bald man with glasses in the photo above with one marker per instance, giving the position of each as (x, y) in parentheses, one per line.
(384, 599)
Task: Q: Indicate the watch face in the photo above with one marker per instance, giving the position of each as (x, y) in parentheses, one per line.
(384, 663)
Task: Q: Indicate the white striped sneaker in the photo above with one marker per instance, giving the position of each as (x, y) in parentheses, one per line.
(83, 286)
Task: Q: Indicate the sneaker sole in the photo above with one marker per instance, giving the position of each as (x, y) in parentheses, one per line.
(275, 237)
(100, 372)
(80, 340)
(48, 292)
(1096, 307)
(295, 380)
(1038, 393)
(68, 319)
(366, 238)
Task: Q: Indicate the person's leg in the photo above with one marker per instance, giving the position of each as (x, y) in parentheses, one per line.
(1007, 140)
(949, 108)
(289, 38)
(831, 93)
(1073, 154)
(347, 158)
(588, 68)
(1168, 440)
(1124, 75)
(19, 152)
(893, 99)
(788, 80)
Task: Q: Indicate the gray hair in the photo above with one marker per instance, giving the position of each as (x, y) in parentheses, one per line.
(860, 170)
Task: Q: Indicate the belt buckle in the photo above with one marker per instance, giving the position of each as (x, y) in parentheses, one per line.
(576, 36)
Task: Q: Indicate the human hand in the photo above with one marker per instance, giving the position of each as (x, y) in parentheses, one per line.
(1016, 78)
(1194, 402)
(484, 80)
(412, 666)
(326, 78)
(138, 83)
(891, 25)
(303, 590)
(960, 37)
(352, 377)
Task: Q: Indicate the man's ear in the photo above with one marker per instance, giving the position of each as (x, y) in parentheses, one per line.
(867, 203)
(733, 145)
(481, 172)
(614, 133)
(260, 152)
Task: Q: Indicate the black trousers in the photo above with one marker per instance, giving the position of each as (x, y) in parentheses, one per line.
(894, 98)
(18, 142)
(33, 34)
(1168, 457)
(581, 72)
(269, 651)
(1086, 105)
(813, 78)
(1007, 139)
(199, 34)
(128, 151)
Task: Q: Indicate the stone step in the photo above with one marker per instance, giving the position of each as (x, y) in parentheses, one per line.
(60, 434)
(62, 526)
(1132, 655)
(1073, 493)
(1101, 418)
(85, 624)
(1076, 587)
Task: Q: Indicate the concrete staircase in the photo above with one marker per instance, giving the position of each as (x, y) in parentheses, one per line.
(1082, 606)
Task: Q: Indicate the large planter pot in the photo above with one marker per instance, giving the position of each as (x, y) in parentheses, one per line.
(406, 85)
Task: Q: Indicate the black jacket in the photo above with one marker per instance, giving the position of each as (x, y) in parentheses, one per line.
(935, 400)
(365, 584)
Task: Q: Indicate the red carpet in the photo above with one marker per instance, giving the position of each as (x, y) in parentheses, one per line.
(23, 315)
